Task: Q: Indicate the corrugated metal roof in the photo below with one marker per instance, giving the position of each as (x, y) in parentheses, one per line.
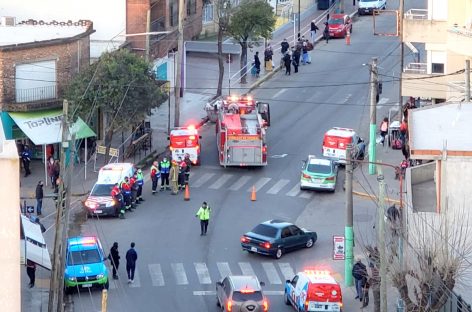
(443, 126)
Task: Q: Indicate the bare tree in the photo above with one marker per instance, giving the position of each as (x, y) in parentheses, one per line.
(223, 13)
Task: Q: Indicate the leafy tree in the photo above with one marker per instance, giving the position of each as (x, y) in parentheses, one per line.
(251, 20)
(121, 85)
(223, 11)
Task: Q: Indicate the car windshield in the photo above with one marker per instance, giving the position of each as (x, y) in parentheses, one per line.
(246, 296)
(265, 230)
(101, 190)
(336, 21)
(83, 257)
(316, 168)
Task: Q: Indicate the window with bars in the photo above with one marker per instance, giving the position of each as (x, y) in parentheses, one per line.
(191, 7)
(173, 13)
(207, 13)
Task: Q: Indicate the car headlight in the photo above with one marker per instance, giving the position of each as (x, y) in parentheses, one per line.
(72, 278)
(111, 203)
(99, 276)
(91, 204)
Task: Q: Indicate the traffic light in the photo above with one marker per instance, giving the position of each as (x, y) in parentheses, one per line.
(379, 88)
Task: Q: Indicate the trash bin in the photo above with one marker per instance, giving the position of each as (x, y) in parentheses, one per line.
(323, 4)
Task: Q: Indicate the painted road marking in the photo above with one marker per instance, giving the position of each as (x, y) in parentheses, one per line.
(294, 191)
(213, 292)
(278, 186)
(259, 184)
(246, 268)
(279, 93)
(238, 184)
(224, 269)
(271, 273)
(202, 272)
(382, 102)
(156, 274)
(286, 270)
(221, 180)
(179, 273)
(202, 180)
(306, 194)
(136, 282)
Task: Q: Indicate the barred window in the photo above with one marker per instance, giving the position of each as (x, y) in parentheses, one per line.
(173, 13)
(191, 7)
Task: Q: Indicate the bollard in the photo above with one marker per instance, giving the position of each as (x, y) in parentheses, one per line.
(348, 38)
(104, 300)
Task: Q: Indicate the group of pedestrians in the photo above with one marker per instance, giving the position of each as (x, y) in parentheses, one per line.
(296, 55)
(174, 174)
(131, 258)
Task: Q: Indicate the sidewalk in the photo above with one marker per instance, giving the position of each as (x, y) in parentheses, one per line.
(198, 92)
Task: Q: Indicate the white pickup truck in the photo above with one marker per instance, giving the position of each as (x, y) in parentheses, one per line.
(368, 6)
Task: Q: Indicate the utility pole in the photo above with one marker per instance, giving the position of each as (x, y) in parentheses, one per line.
(148, 30)
(373, 115)
(57, 274)
(381, 242)
(467, 80)
(299, 27)
(180, 58)
(402, 56)
(348, 230)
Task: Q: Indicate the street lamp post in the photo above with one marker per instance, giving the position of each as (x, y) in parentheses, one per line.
(299, 28)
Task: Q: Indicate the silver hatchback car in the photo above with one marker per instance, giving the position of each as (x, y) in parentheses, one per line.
(241, 293)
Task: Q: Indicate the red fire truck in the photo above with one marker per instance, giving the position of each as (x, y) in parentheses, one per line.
(241, 131)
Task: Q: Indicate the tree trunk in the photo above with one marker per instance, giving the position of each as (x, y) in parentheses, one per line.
(221, 66)
(243, 61)
(376, 296)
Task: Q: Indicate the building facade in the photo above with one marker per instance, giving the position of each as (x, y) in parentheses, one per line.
(445, 29)
(163, 17)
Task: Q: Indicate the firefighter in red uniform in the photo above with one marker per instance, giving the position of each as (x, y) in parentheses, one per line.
(116, 195)
(126, 189)
(182, 171)
(134, 189)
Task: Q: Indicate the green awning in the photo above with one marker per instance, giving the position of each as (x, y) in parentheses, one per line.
(45, 126)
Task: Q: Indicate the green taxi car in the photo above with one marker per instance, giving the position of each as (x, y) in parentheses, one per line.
(318, 174)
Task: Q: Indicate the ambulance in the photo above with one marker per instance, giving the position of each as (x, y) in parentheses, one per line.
(335, 143)
(313, 290)
(185, 141)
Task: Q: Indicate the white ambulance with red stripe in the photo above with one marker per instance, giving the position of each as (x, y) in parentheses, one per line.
(184, 141)
(335, 143)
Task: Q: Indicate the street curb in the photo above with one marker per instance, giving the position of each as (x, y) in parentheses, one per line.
(369, 196)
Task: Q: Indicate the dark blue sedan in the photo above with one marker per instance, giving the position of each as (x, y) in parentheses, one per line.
(276, 237)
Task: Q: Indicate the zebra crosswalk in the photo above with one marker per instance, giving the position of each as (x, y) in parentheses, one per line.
(234, 182)
(201, 273)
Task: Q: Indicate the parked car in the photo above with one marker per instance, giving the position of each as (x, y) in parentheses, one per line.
(339, 25)
(241, 293)
(368, 6)
(319, 174)
(276, 237)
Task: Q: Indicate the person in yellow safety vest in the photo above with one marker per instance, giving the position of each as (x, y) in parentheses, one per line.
(204, 215)
(174, 177)
(164, 168)
(140, 181)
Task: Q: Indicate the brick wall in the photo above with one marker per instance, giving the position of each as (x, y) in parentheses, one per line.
(69, 56)
(136, 18)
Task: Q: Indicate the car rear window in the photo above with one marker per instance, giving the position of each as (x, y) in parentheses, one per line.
(315, 168)
(336, 21)
(101, 190)
(265, 230)
(245, 296)
(83, 257)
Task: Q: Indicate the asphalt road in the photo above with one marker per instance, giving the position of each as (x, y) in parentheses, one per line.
(177, 268)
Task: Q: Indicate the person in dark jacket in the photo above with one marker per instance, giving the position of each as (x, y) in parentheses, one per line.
(284, 46)
(114, 257)
(296, 60)
(131, 258)
(31, 271)
(359, 272)
(326, 32)
(287, 62)
(39, 197)
(257, 64)
(313, 29)
(365, 301)
(26, 159)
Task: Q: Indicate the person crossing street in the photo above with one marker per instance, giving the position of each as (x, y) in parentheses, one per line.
(140, 182)
(155, 174)
(164, 168)
(131, 258)
(114, 257)
(204, 215)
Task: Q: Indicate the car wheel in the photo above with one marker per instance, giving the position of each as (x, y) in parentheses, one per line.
(107, 284)
(286, 300)
(278, 253)
(309, 243)
(351, 29)
(251, 252)
(218, 304)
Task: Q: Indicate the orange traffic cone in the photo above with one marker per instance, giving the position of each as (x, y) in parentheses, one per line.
(253, 194)
(348, 38)
(187, 193)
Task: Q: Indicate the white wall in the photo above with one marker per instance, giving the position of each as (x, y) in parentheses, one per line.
(108, 16)
(437, 9)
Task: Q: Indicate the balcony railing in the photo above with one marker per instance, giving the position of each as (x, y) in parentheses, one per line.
(415, 68)
(35, 94)
(467, 32)
(416, 14)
